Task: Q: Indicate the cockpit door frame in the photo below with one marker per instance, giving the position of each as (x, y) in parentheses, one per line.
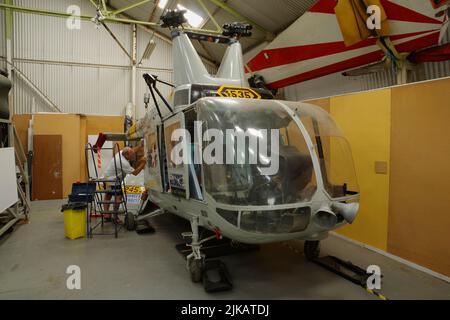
(175, 173)
(154, 180)
(310, 144)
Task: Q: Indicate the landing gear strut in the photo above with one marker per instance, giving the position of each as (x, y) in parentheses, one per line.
(312, 249)
(195, 260)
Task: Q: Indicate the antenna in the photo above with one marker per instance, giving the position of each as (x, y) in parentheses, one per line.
(151, 81)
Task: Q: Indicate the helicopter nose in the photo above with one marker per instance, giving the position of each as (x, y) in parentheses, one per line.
(347, 210)
(325, 218)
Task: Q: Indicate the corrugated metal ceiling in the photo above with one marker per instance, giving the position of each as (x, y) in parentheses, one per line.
(273, 15)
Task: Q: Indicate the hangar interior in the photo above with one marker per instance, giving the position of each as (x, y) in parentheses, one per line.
(74, 72)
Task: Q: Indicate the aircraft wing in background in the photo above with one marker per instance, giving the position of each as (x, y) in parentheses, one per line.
(314, 45)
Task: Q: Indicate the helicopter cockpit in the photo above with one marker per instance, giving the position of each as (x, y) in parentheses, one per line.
(243, 183)
(309, 160)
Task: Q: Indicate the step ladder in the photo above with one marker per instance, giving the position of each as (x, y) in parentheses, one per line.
(114, 186)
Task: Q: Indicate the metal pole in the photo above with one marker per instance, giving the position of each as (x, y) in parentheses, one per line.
(117, 40)
(67, 15)
(30, 83)
(133, 70)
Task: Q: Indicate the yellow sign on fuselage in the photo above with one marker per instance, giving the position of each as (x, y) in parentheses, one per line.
(237, 92)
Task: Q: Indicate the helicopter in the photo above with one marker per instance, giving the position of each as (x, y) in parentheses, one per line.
(287, 171)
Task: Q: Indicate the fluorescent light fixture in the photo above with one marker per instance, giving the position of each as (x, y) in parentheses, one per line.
(162, 3)
(193, 19)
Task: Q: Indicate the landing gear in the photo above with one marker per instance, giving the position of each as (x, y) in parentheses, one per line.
(195, 260)
(130, 221)
(195, 269)
(312, 250)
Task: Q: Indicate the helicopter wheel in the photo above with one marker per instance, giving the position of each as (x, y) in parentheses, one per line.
(196, 269)
(312, 250)
(130, 221)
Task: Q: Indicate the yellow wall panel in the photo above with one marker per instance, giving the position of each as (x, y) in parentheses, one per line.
(324, 103)
(365, 120)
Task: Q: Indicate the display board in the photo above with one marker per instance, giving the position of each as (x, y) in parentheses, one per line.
(8, 184)
(153, 166)
(178, 173)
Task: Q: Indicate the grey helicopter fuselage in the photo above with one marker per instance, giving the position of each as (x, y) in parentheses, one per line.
(313, 191)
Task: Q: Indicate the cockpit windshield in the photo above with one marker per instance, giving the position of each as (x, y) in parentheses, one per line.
(257, 154)
(332, 149)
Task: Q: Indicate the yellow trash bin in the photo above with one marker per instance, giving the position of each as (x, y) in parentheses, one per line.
(74, 220)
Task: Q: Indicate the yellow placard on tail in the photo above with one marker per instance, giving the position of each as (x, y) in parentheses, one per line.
(238, 92)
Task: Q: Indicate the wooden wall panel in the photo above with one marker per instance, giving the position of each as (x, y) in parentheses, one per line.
(47, 167)
(98, 124)
(22, 122)
(83, 141)
(68, 126)
(419, 214)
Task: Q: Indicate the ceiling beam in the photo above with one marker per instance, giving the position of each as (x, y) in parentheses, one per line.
(210, 16)
(134, 5)
(152, 14)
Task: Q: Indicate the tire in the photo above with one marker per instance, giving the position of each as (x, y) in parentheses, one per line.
(312, 250)
(131, 222)
(196, 270)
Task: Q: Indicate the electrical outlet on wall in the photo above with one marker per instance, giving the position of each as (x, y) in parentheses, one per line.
(381, 167)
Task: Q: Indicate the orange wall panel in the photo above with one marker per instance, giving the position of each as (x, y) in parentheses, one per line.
(419, 210)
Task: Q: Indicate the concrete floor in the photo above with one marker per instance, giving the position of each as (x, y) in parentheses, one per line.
(34, 258)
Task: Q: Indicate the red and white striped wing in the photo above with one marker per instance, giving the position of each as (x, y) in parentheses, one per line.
(313, 46)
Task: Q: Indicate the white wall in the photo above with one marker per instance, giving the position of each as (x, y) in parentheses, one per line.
(330, 85)
(81, 71)
(159, 64)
